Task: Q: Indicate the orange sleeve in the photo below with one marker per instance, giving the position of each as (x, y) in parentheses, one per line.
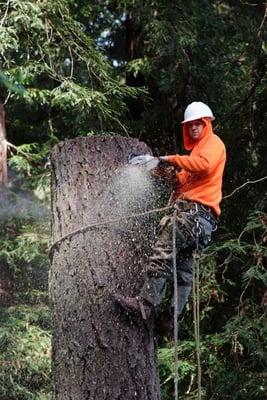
(205, 160)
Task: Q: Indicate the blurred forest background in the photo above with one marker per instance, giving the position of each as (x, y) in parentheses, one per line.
(79, 67)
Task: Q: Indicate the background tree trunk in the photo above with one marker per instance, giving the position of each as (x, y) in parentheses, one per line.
(97, 352)
(6, 286)
(3, 147)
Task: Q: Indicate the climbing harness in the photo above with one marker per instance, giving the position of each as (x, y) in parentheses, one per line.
(175, 319)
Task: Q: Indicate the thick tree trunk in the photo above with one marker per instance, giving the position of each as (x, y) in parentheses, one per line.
(97, 352)
(3, 148)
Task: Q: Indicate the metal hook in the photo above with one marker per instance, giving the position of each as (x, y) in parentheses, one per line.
(194, 211)
(197, 228)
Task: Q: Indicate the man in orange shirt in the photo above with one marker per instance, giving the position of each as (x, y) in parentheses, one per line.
(196, 197)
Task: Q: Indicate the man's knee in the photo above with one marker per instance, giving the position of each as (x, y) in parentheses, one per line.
(185, 277)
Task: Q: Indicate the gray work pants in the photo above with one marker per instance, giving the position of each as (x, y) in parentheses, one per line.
(160, 266)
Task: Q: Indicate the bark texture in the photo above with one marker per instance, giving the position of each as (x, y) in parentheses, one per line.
(3, 148)
(98, 353)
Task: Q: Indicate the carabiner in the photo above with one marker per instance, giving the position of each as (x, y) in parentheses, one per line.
(197, 228)
(194, 211)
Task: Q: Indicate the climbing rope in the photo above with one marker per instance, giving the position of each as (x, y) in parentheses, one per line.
(175, 319)
(98, 224)
(197, 232)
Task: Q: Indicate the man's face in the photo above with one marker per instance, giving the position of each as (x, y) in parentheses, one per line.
(195, 128)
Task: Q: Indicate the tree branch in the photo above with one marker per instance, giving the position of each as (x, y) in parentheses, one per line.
(26, 155)
(243, 185)
(261, 28)
(5, 15)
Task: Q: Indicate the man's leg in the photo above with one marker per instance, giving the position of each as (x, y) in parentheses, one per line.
(154, 288)
(160, 266)
(185, 281)
(185, 266)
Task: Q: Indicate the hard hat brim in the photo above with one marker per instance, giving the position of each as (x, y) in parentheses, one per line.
(194, 118)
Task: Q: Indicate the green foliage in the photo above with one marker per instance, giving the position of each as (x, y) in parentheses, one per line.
(25, 371)
(50, 66)
(186, 368)
(25, 353)
(24, 246)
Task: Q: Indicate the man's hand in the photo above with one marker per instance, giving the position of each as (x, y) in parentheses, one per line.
(164, 160)
(147, 161)
(141, 159)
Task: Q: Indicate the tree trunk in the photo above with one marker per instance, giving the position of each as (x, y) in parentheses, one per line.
(6, 286)
(3, 148)
(98, 353)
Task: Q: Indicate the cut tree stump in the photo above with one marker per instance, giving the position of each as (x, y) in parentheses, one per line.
(97, 351)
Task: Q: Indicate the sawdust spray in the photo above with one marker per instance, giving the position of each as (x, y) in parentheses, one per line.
(131, 190)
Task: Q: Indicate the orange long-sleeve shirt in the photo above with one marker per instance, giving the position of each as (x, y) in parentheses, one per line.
(200, 178)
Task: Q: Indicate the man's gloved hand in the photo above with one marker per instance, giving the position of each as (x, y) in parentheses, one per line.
(163, 159)
(146, 160)
(140, 159)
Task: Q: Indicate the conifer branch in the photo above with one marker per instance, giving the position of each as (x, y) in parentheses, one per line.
(18, 150)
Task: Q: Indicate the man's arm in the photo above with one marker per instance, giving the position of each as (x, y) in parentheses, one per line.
(207, 158)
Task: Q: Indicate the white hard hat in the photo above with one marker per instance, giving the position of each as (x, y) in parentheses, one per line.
(197, 110)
